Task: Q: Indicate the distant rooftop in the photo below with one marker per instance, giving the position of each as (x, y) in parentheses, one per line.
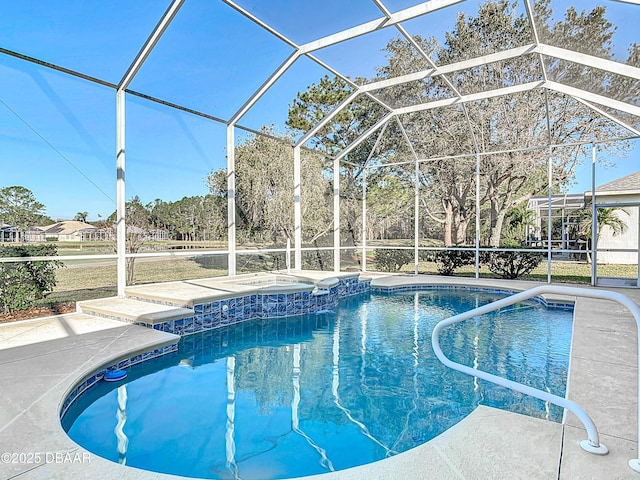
(630, 182)
(68, 227)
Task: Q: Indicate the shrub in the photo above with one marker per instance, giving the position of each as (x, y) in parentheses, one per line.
(23, 283)
(392, 260)
(513, 264)
(510, 243)
(448, 260)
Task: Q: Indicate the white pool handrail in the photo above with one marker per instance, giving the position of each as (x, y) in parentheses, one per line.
(591, 445)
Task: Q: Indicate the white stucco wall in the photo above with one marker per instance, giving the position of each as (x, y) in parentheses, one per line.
(627, 240)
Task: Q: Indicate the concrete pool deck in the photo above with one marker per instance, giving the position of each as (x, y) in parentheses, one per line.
(41, 360)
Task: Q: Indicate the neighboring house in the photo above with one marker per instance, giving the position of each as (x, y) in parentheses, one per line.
(34, 234)
(153, 234)
(621, 194)
(563, 210)
(157, 234)
(10, 233)
(74, 231)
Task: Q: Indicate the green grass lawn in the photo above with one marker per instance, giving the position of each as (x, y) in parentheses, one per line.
(573, 272)
(88, 279)
(96, 280)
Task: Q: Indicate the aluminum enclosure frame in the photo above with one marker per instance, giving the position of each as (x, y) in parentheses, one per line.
(386, 20)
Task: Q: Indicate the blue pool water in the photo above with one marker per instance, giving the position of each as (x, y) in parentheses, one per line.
(302, 395)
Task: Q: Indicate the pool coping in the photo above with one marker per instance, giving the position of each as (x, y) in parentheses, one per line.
(188, 293)
(32, 392)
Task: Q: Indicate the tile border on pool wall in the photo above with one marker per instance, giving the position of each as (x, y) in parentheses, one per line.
(220, 313)
(119, 365)
(400, 288)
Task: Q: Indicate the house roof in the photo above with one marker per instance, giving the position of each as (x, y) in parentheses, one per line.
(5, 226)
(630, 182)
(67, 227)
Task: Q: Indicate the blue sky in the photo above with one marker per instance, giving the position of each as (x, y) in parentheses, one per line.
(57, 133)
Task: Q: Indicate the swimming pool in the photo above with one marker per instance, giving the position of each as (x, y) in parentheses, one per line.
(309, 394)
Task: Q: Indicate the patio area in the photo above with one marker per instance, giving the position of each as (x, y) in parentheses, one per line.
(42, 360)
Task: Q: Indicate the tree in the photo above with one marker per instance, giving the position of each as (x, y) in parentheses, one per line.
(517, 221)
(19, 207)
(497, 124)
(489, 125)
(313, 105)
(390, 208)
(264, 190)
(605, 218)
(137, 232)
(190, 218)
(81, 216)
(515, 177)
(214, 217)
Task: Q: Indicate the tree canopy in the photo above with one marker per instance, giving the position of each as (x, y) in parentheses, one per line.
(509, 132)
(19, 207)
(264, 190)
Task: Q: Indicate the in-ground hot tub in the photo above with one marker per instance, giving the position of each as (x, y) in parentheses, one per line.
(284, 284)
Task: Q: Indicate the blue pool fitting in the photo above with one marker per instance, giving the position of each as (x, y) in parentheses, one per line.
(115, 375)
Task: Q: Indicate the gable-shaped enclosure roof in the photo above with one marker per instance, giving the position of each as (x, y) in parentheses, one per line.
(600, 75)
(419, 68)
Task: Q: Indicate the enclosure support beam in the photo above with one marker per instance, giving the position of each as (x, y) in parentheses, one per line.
(593, 97)
(550, 180)
(612, 66)
(297, 210)
(625, 125)
(150, 44)
(231, 200)
(363, 263)
(594, 218)
(275, 76)
(259, 22)
(121, 227)
(328, 118)
(536, 37)
(416, 219)
(416, 205)
(377, 24)
(477, 239)
(498, 92)
(477, 212)
(336, 215)
(363, 136)
(549, 221)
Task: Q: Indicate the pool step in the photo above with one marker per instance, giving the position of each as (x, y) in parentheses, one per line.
(133, 311)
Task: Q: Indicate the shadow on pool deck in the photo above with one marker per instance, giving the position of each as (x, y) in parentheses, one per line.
(40, 360)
